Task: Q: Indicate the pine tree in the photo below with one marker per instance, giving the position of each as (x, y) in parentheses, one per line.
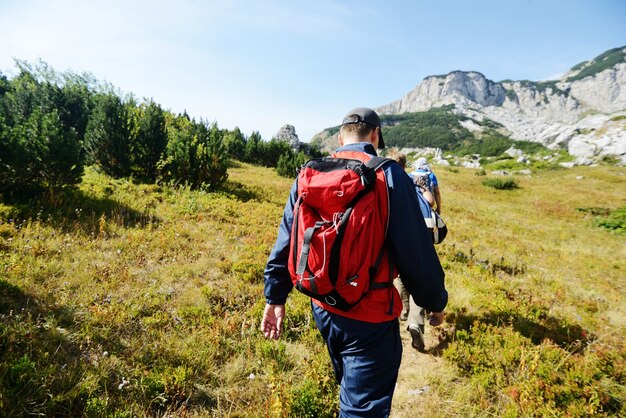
(148, 142)
(215, 158)
(37, 149)
(235, 143)
(107, 136)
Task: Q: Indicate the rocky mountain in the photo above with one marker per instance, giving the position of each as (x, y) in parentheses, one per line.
(288, 134)
(584, 111)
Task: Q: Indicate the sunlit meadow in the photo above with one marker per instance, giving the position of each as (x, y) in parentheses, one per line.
(120, 299)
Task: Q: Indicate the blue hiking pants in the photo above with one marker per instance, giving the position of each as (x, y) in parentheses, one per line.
(366, 358)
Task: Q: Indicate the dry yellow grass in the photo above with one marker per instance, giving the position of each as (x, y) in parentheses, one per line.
(150, 299)
(573, 269)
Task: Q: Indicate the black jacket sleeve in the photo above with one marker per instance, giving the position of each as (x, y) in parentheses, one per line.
(410, 244)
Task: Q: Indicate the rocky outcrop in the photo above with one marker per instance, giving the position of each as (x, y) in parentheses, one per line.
(458, 88)
(288, 134)
(584, 111)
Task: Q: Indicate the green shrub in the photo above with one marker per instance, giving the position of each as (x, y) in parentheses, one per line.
(195, 154)
(506, 183)
(595, 211)
(289, 164)
(309, 402)
(530, 147)
(506, 164)
(545, 165)
(610, 159)
(503, 157)
(504, 367)
(235, 143)
(39, 145)
(615, 221)
(274, 353)
(490, 145)
(148, 141)
(315, 395)
(107, 139)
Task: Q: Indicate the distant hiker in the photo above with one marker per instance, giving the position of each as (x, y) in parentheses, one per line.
(363, 341)
(422, 187)
(410, 311)
(421, 182)
(423, 171)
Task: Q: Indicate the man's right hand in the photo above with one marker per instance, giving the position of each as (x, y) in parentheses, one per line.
(435, 318)
(272, 323)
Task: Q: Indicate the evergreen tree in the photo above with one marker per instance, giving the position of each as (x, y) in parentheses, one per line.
(62, 153)
(4, 85)
(215, 158)
(178, 162)
(235, 143)
(290, 162)
(149, 140)
(107, 136)
(195, 154)
(253, 148)
(37, 150)
(270, 152)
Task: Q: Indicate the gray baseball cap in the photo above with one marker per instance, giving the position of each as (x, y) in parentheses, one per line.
(365, 115)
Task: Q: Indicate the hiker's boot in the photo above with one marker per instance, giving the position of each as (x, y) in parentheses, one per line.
(417, 337)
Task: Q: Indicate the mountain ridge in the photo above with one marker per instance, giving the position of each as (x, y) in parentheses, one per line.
(583, 111)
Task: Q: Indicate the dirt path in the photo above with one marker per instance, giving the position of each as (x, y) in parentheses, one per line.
(413, 388)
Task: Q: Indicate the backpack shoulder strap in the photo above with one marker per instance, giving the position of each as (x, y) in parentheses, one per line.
(377, 162)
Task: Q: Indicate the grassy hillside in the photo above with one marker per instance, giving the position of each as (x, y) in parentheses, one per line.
(600, 63)
(437, 128)
(141, 300)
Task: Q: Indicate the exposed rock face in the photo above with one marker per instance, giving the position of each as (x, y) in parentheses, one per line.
(587, 115)
(458, 87)
(288, 134)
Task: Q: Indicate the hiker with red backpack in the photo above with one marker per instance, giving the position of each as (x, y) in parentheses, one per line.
(348, 229)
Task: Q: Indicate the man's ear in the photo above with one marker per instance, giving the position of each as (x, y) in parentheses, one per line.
(374, 137)
(340, 139)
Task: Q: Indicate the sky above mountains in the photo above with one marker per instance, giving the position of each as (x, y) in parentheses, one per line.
(261, 64)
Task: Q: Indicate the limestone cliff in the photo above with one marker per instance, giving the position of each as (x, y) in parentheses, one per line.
(584, 111)
(288, 134)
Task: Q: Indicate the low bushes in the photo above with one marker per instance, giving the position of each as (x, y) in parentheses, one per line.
(506, 183)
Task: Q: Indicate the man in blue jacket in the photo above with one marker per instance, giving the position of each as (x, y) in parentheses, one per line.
(365, 352)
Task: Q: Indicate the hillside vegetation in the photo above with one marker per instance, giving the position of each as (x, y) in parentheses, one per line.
(600, 63)
(53, 124)
(121, 299)
(438, 128)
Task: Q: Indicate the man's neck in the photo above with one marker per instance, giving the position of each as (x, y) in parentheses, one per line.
(353, 140)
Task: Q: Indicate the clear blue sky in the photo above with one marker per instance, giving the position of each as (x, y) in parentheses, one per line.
(261, 64)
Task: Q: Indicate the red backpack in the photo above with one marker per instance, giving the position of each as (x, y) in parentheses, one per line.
(339, 229)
